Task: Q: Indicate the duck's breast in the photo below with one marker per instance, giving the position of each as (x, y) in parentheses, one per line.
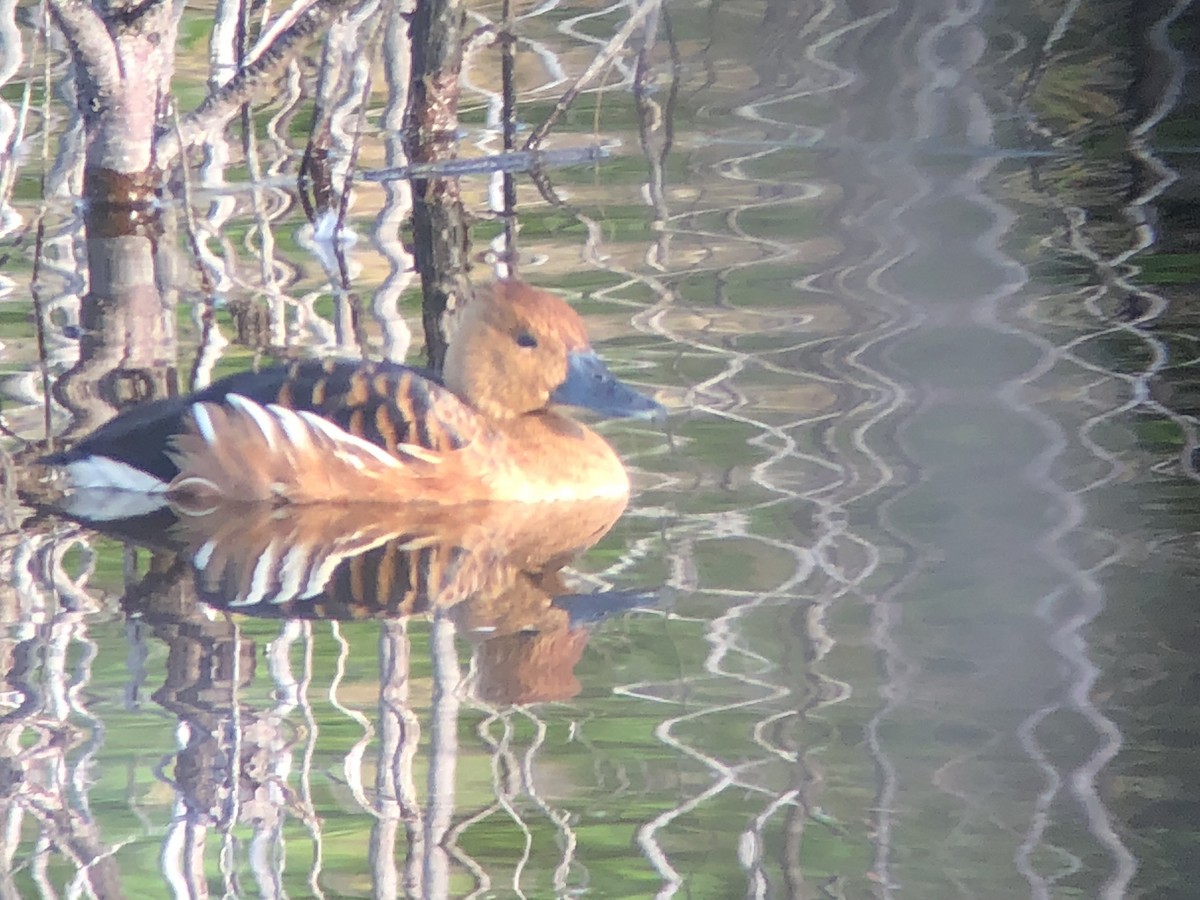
(550, 457)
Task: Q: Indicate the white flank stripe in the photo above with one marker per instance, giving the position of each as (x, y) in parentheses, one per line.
(291, 572)
(204, 424)
(204, 554)
(344, 437)
(258, 581)
(419, 453)
(320, 575)
(260, 416)
(351, 459)
(292, 425)
(419, 543)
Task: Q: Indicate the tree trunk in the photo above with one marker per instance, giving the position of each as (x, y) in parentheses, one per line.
(124, 58)
(431, 124)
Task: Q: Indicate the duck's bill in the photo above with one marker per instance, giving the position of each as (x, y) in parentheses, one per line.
(591, 385)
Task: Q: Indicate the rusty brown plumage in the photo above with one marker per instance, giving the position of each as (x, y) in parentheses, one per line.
(486, 432)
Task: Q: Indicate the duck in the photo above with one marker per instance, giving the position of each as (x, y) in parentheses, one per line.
(493, 426)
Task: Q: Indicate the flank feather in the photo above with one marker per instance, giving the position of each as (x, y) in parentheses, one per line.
(241, 450)
(262, 555)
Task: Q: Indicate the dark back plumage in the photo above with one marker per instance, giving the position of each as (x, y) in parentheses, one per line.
(383, 403)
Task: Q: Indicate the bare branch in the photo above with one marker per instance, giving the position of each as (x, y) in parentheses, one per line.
(89, 40)
(601, 60)
(222, 103)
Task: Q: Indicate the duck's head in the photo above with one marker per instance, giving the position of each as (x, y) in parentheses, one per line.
(519, 349)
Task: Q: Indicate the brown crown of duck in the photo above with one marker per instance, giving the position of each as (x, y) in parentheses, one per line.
(510, 350)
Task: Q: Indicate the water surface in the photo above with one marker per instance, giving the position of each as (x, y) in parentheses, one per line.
(903, 603)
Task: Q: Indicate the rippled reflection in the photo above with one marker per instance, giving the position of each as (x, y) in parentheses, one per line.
(916, 281)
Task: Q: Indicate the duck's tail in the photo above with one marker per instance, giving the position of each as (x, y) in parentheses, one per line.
(241, 450)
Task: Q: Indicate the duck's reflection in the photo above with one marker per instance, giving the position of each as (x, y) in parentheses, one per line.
(489, 573)
(493, 570)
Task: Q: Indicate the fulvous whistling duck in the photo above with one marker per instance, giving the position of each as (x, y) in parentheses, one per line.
(490, 429)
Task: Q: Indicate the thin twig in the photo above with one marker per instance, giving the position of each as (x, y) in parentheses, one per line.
(208, 314)
(39, 317)
(339, 247)
(219, 105)
(598, 64)
(356, 139)
(508, 82)
(189, 217)
(39, 323)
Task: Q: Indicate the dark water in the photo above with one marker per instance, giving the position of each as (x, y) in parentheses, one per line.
(904, 603)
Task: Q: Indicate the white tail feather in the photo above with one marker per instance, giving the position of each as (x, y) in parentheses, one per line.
(103, 473)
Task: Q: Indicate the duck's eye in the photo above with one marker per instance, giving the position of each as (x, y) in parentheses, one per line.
(525, 339)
